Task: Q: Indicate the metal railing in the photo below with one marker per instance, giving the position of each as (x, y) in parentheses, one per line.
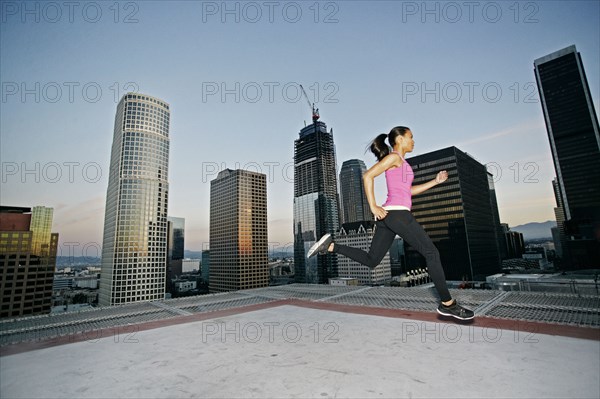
(567, 286)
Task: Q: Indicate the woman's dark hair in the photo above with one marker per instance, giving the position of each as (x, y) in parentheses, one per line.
(380, 148)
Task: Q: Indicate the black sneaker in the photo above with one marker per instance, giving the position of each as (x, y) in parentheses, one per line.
(320, 247)
(456, 311)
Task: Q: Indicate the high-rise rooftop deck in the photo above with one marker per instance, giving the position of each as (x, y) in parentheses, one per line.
(310, 341)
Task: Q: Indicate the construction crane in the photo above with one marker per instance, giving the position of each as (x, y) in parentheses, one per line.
(315, 111)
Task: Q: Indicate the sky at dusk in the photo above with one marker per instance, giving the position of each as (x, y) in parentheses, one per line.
(457, 73)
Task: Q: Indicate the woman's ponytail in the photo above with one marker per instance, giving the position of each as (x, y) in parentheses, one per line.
(379, 147)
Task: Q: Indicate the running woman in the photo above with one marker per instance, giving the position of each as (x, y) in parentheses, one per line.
(394, 217)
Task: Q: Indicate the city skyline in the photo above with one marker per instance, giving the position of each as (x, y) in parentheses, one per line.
(374, 76)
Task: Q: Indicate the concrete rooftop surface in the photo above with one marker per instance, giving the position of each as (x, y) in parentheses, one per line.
(308, 341)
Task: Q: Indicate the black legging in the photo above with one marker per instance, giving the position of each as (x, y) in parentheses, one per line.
(403, 224)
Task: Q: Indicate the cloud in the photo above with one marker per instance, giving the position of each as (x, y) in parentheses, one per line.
(80, 212)
(80, 223)
(522, 128)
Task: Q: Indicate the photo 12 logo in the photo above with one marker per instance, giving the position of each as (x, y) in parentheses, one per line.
(454, 92)
(253, 332)
(54, 92)
(426, 332)
(210, 170)
(120, 334)
(69, 12)
(526, 172)
(253, 92)
(470, 11)
(253, 12)
(89, 251)
(51, 172)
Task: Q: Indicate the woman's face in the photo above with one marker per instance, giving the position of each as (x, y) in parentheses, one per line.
(408, 142)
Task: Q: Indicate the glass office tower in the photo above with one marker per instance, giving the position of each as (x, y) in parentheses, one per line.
(572, 126)
(457, 214)
(355, 207)
(176, 238)
(134, 250)
(26, 274)
(175, 249)
(316, 209)
(238, 231)
(41, 224)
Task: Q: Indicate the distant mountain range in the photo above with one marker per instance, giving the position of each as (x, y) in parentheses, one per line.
(535, 230)
(530, 231)
(279, 252)
(188, 254)
(65, 261)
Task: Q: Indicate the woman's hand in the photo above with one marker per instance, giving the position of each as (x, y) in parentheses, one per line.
(379, 212)
(420, 188)
(441, 177)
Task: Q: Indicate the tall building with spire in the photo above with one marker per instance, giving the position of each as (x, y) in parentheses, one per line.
(238, 231)
(354, 204)
(572, 126)
(316, 202)
(134, 250)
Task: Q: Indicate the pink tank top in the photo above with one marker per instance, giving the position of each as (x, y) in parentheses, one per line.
(399, 181)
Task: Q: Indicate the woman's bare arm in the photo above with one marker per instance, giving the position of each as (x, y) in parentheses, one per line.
(389, 161)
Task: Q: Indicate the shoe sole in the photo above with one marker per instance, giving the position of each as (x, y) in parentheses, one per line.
(455, 316)
(317, 245)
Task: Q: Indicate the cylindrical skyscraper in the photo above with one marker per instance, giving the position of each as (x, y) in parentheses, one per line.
(134, 247)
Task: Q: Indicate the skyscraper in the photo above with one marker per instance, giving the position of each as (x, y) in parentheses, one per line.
(316, 209)
(238, 231)
(457, 214)
(502, 252)
(355, 207)
(175, 248)
(134, 249)
(559, 236)
(572, 126)
(176, 238)
(26, 270)
(513, 242)
(205, 264)
(397, 257)
(41, 226)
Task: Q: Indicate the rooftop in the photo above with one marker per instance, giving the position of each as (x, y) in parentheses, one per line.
(310, 341)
